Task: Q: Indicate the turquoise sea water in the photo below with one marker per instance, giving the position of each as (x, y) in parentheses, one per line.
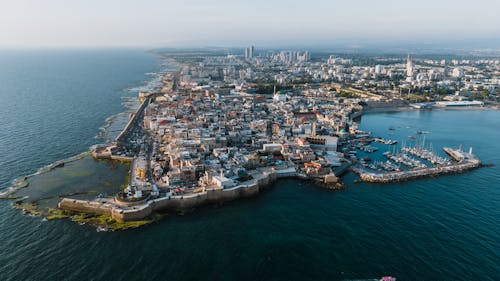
(52, 104)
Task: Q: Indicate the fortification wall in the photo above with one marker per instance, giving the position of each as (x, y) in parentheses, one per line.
(138, 212)
(135, 213)
(85, 206)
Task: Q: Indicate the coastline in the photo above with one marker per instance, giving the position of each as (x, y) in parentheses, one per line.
(129, 104)
(147, 210)
(123, 219)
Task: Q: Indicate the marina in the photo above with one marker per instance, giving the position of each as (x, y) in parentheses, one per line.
(419, 150)
(406, 162)
(403, 158)
(463, 162)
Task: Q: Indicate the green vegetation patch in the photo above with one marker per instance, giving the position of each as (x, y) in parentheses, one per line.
(108, 222)
(56, 213)
(33, 208)
(28, 207)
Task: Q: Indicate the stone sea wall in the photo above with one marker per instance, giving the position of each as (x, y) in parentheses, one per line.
(138, 212)
(418, 173)
(85, 206)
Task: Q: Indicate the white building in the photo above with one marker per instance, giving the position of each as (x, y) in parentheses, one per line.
(272, 147)
(222, 181)
(457, 72)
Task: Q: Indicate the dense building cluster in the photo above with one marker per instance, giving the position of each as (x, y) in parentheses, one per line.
(390, 77)
(203, 137)
(220, 118)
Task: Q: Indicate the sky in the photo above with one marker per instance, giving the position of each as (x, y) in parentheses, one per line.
(164, 23)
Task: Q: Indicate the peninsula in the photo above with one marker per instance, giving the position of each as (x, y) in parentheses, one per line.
(226, 126)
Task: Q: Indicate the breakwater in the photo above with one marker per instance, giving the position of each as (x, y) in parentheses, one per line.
(106, 152)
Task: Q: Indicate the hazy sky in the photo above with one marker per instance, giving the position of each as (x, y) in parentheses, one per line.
(224, 22)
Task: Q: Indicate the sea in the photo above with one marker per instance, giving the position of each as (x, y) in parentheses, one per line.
(57, 103)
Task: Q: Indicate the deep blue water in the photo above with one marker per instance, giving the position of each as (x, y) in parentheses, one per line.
(446, 228)
(53, 102)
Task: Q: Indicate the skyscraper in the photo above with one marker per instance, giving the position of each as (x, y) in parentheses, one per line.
(409, 67)
(249, 52)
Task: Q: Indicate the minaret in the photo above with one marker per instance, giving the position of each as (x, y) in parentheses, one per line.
(313, 129)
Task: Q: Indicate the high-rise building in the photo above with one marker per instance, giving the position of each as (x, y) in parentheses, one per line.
(249, 52)
(409, 67)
